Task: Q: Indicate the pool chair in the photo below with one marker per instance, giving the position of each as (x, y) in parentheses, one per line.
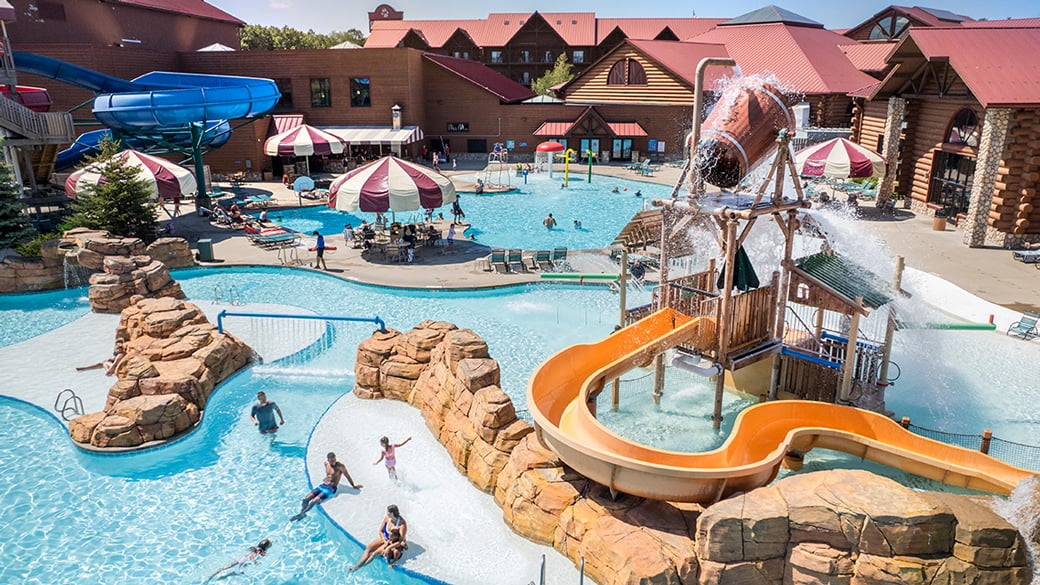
(541, 260)
(497, 260)
(559, 259)
(1025, 327)
(1028, 257)
(516, 258)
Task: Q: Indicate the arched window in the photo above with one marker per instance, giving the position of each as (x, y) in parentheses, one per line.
(964, 129)
(636, 73)
(617, 73)
(627, 72)
(889, 28)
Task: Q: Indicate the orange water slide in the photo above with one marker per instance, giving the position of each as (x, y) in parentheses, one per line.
(562, 388)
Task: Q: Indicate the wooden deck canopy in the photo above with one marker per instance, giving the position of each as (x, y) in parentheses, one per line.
(834, 283)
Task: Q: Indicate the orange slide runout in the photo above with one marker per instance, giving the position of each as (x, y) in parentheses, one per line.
(562, 388)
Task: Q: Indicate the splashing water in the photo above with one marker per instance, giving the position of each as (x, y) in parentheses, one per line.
(1022, 510)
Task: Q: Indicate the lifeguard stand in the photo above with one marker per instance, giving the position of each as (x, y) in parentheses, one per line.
(497, 173)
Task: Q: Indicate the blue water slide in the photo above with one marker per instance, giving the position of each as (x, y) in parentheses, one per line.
(214, 136)
(160, 100)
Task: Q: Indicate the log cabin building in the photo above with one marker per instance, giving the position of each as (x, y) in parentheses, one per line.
(956, 120)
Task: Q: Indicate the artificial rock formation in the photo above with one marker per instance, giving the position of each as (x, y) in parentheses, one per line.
(834, 527)
(116, 268)
(174, 359)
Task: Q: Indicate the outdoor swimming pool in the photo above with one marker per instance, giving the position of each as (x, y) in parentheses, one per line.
(25, 316)
(514, 220)
(175, 514)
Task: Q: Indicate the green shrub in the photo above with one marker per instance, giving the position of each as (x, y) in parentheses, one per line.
(32, 247)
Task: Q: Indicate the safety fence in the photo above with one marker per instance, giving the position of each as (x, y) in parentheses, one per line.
(1017, 454)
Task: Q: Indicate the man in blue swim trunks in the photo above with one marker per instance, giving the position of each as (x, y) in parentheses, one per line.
(263, 414)
(334, 470)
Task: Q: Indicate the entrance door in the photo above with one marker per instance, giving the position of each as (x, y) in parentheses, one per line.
(615, 149)
(952, 176)
(584, 152)
(594, 147)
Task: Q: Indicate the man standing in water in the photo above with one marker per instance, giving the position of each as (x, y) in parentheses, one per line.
(263, 414)
(334, 470)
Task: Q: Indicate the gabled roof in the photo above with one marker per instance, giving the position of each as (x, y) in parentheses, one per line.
(929, 17)
(846, 279)
(577, 29)
(476, 73)
(197, 8)
(648, 28)
(386, 34)
(1007, 23)
(681, 58)
(868, 56)
(805, 59)
(771, 15)
(1001, 66)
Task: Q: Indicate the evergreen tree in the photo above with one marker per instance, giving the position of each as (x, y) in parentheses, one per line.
(121, 203)
(14, 225)
(560, 73)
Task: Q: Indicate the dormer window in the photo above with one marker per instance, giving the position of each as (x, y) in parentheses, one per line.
(964, 129)
(627, 72)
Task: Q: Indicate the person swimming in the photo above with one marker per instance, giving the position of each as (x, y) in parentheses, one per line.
(255, 552)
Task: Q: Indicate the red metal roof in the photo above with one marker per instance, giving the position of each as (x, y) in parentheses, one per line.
(932, 16)
(1007, 23)
(387, 33)
(554, 128)
(1001, 66)
(475, 72)
(384, 38)
(803, 59)
(869, 56)
(648, 28)
(626, 129)
(197, 8)
(681, 58)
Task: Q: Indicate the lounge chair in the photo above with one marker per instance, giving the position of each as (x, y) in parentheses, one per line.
(559, 259)
(497, 259)
(274, 240)
(515, 258)
(541, 260)
(1025, 327)
(1027, 256)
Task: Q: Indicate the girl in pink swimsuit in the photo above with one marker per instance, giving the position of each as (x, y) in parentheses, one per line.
(389, 455)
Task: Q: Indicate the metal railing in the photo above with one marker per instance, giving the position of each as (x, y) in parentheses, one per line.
(376, 319)
(68, 404)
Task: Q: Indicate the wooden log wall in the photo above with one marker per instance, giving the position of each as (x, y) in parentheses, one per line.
(661, 86)
(1016, 208)
(829, 110)
(872, 124)
(927, 122)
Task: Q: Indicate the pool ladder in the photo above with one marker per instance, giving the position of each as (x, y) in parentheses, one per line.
(70, 407)
(234, 297)
(541, 573)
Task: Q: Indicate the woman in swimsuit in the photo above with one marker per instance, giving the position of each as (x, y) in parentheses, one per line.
(389, 455)
(392, 522)
(255, 552)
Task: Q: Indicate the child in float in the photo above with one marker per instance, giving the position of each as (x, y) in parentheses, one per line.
(388, 455)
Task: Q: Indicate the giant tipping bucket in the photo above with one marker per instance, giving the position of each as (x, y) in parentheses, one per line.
(740, 130)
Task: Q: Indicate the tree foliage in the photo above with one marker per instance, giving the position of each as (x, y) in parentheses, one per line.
(15, 228)
(121, 203)
(255, 37)
(560, 73)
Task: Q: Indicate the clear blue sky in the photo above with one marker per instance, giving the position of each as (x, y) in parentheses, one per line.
(330, 15)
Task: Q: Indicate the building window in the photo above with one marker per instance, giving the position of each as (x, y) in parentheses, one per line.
(285, 88)
(548, 57)
(458, 126)
(321, 96)
(525, 56)
(964, 129)
(952, 175)
(461, 54)
(889, 28)
(496, 57)
(359, 93)
(627, 72)
(525, 78)
(578, 58)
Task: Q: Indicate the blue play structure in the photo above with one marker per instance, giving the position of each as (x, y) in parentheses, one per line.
(158, 111)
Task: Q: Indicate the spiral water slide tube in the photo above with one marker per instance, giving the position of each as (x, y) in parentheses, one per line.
(160, 105)
(561, 389)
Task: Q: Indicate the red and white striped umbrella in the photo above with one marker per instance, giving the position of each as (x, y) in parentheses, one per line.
(838, 158)
(304, 140)
(164, 178)
(390, 184)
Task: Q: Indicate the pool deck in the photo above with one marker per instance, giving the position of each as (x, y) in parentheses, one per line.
(989, 273)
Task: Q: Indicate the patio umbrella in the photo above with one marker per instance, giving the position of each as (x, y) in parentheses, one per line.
(304, 140)
(164, 178)
(838, 158)
(390, 184)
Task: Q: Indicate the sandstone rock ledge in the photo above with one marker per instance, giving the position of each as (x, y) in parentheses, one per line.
(174, 359)
(834, 527)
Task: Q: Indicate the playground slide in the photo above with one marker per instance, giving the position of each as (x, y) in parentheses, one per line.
(561, 389)
(158, 107)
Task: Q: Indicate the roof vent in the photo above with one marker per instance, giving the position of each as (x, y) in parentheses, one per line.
(506, 22)
(574, 22)
(521, 23)
(559, 22)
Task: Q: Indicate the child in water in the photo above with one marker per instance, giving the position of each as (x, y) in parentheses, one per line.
(255, 552)
(389, 455)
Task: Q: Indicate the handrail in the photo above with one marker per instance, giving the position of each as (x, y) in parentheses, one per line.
(37, 125)
(76, 408)
(224, 313)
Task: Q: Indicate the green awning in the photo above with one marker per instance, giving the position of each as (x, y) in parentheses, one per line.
(744, 277)
(846, 278)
